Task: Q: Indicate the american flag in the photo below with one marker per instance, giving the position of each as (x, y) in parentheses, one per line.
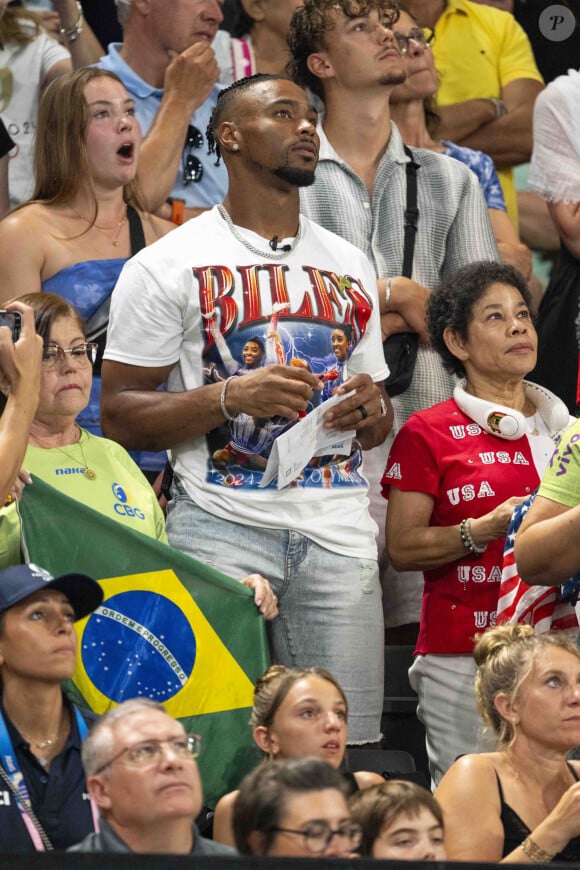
(543, 607)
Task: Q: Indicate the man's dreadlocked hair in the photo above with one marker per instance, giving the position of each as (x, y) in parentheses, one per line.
(315, 18)
(224, 103)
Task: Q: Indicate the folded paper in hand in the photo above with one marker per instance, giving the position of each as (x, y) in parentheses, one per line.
(294, 449)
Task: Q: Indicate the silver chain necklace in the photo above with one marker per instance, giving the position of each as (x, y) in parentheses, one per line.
(269, 255)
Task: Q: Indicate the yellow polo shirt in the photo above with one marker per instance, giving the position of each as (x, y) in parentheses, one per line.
(478, 50)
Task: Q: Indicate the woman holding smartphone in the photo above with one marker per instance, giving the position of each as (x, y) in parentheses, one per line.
(20, 381)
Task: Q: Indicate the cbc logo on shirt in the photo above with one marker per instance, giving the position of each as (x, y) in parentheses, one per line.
(122, 507)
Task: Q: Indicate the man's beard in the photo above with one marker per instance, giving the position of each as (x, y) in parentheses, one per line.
(393, 78)
(295, 177)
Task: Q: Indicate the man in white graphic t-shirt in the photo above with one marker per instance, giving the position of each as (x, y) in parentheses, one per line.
(262, 274)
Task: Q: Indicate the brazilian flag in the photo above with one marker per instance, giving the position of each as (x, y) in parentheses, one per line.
(170, 628)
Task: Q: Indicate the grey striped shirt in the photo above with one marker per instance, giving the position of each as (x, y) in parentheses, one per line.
(453, 230)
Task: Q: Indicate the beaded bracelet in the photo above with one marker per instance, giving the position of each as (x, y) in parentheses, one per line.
(532, 851)
(71, 34)
(467, 538)
(223, 408)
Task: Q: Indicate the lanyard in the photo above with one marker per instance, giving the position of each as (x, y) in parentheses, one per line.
(12, 768)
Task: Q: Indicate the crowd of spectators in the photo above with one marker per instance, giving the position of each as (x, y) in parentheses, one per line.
(223, 220)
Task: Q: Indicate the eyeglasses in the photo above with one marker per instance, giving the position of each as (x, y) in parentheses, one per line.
(192, 167)
(317, 836)
(186, 746)
(82, 354)
(421, 35)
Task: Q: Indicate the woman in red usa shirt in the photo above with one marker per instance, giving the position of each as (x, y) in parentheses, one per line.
(454, 474)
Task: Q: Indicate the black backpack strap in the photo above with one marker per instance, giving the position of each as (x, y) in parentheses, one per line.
(166, 481)
(411, 214)
(136, 234)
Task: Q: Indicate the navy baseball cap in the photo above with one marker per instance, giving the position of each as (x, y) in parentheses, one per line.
(20, 581)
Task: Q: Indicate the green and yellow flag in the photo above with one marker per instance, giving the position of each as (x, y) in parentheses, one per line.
(170, 628)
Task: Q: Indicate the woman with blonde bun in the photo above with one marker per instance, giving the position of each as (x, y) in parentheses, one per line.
(520, 804)
(297, 713)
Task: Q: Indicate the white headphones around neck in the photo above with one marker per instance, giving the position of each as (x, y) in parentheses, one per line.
(508, 423)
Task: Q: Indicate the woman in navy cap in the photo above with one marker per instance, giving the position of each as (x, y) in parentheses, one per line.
(43, 800)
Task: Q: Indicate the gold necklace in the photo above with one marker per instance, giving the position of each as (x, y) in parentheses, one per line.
(105, 230)
(42, 744)
(88, 473)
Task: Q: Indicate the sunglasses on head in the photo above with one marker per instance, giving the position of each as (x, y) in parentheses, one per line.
(192, 165)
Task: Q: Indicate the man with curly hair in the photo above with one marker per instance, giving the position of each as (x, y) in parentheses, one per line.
(348, 53)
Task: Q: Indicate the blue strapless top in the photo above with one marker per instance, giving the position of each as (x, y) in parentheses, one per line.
(86, 285)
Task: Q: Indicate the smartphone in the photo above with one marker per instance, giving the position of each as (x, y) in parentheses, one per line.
(13, 320)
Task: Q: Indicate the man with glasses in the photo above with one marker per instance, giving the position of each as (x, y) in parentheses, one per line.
(295, 808)
(168, 66)
(349, 54)
(141, 773)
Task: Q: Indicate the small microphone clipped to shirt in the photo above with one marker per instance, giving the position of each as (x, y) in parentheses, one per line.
(274, 245)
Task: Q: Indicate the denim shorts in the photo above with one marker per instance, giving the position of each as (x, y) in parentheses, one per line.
(330, 605)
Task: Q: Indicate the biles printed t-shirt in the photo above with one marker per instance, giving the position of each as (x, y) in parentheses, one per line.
(213, 308)
(442, 452)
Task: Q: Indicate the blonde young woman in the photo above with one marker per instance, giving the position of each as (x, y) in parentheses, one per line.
(520, 804)
(86, 217)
